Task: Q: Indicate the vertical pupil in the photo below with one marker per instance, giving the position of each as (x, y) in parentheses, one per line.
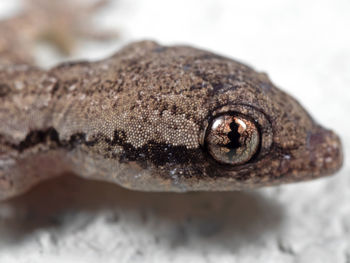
(233, 139)
(234, 136)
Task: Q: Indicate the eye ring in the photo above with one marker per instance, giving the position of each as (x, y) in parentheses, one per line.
(255, 115)
(233, 139)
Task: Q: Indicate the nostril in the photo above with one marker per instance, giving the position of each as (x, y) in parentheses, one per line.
(315, 138)
(325, 150)
(321, 137)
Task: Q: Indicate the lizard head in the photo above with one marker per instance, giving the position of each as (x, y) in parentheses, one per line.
(201, 121)
(257, 135)
(267, 138)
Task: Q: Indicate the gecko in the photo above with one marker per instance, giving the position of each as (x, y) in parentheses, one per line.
(149, 118)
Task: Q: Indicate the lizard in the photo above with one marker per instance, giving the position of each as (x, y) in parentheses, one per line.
(151, 118)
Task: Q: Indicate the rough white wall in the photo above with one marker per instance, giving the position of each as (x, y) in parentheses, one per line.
(305, 48)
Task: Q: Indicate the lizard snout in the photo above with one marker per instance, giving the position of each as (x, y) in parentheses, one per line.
(325, 151)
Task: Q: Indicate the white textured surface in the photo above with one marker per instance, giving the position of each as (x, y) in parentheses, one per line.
(305, 48)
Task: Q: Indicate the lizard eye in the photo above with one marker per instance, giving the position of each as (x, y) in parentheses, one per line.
(233, 139)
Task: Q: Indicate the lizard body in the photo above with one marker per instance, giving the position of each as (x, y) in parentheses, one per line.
(156, 118)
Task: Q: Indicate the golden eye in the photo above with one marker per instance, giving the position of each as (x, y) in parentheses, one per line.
(233, 139)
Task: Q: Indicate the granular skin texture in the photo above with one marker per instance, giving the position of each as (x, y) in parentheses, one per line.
(140, 117)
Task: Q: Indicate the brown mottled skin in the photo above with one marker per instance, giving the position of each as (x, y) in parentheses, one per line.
(139, 119)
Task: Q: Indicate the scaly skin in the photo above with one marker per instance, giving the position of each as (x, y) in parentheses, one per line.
(140, 119)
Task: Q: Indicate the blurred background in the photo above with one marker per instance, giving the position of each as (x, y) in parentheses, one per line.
(304, 46)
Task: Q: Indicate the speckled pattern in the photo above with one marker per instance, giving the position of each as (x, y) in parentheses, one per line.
(140, 119)
(304, 47)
